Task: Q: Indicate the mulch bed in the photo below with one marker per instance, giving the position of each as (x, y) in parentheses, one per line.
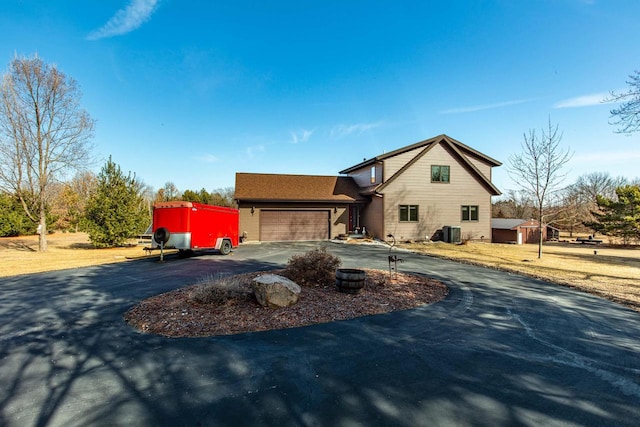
(175, 314)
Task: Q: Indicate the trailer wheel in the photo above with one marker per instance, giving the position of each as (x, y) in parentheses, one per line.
(161, 235)
(225, 247)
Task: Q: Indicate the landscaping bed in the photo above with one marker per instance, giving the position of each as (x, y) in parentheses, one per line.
(233, 309)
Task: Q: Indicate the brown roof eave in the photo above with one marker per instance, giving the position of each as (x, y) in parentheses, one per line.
(363, 164)
(461, 146)
(334, 201)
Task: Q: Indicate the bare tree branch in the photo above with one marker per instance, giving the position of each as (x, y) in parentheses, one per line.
(627, 115)
(44, 133)
(538, 168)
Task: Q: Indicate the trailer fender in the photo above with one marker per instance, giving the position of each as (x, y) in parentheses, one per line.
(161, 235)
(224, 245)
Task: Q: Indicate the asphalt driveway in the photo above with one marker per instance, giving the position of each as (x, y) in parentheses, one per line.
(500, 350)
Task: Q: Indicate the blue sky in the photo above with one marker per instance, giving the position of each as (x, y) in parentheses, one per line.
(193, 91)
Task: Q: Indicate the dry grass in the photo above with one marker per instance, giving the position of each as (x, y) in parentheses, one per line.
(613, 273)
(20, 255)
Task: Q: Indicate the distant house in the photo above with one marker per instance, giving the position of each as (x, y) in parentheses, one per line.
(520, 231)
(412, 193)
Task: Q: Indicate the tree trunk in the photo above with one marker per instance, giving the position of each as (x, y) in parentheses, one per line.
(42, 230)
(540, 231)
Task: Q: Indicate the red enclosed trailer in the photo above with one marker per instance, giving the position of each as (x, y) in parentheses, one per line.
(194, 226)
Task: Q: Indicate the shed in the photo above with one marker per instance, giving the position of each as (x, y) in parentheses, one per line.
(514, 230)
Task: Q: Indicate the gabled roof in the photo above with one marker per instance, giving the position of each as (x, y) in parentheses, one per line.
(296, 188)
(457, 149)
(462, 147)
(506, 223)
(513, 223)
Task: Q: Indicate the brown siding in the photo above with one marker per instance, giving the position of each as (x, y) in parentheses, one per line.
(529, 233)
(532, 234)
(249, 224)
(482, 166)
(362, 176)
(504, 236)
(395, 163)
(372, 217)
(439, 203)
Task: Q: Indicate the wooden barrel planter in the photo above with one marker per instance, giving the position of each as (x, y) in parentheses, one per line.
(350, 280)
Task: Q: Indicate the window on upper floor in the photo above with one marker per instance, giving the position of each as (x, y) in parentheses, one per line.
(439, 173)
(469, 212)
(408, 213)
(373, 174)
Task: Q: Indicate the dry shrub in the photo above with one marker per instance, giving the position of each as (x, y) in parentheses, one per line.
(220, 290)
(316, 267)
(376, 279)
(466, 238)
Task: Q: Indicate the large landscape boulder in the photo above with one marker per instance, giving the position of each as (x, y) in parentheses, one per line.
(275, 291)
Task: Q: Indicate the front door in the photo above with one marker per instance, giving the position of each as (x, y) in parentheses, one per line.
(354, 219)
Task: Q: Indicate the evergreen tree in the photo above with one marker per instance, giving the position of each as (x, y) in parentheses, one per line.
(193, 196)
(13, 220)
(116, 211)
(619, 218)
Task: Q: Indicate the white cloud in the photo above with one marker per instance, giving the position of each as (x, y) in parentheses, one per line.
(136, 13)
(481, 107)
(301, 136)
(253, 150)
(208, 158)
(340, 131)
(582, 101)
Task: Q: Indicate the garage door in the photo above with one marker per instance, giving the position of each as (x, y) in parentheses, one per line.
(294, 225)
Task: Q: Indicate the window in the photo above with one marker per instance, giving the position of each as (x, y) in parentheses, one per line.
(439, 173)
(469, 212)
(373, 174)
(408, 213)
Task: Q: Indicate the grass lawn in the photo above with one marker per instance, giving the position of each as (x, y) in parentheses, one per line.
(19, 255)
(613, 273)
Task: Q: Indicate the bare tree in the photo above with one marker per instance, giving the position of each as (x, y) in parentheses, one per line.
(538, 168)
(516, 204)
(224, 196)
(627, 115)
(146, 194)
(44, 133)
(167, 193)
(590, 185)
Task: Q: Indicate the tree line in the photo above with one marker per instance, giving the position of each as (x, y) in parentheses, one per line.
(46, 136)
(597, 203)
(111, 206)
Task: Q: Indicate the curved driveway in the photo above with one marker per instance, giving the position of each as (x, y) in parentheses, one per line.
(500, 350)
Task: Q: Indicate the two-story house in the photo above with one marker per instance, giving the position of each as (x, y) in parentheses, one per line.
(412, 193)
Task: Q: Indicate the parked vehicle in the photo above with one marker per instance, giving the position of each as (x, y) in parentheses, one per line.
(190, 226)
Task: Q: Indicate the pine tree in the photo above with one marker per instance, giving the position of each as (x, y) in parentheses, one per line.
(13, 220)
(619, 218)
(116, 212)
